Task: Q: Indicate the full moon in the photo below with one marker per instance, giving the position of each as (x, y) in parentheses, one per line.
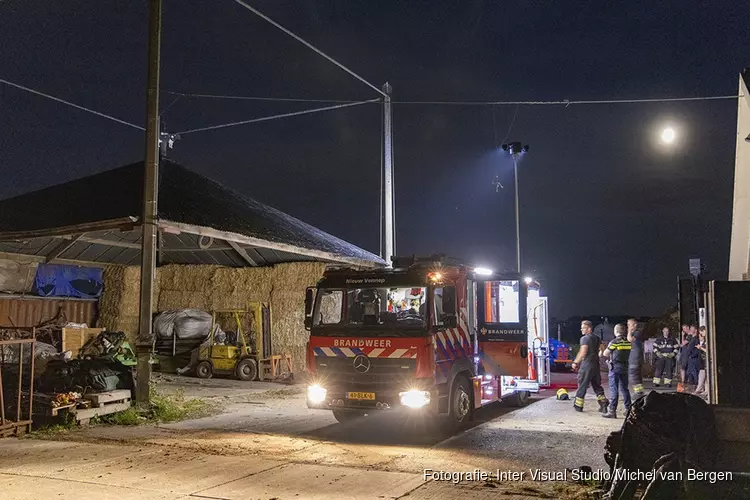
(668, 135)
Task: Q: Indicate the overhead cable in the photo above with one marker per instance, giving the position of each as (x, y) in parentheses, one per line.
(274, 117)
(310, 46)
(108, 117)
(564, 102)
(568, 102)
(250, 98)
(512, 122)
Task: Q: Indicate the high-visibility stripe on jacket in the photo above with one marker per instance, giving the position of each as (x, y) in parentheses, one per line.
(666, 347)
(619, 349)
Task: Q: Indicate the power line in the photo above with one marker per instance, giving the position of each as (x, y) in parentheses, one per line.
(274, 117)
(170, 105)
(251, 98)
(310, 46)
(564, 102)
(511, 125)
(108, 117)
(568, 102)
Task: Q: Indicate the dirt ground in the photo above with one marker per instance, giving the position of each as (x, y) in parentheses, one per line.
(285, 450)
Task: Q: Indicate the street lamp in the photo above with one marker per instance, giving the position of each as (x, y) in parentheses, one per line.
(515, 149)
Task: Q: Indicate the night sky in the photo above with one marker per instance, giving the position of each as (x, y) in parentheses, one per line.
(608, 217)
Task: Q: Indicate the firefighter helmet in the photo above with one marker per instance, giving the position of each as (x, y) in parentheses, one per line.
(562, 395)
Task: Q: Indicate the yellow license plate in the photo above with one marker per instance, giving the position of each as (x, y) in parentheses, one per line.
(361, 395)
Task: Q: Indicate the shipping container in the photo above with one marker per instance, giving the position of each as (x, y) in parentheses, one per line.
(30, 311)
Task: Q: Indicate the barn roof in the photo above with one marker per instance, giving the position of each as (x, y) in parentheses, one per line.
(97, 219)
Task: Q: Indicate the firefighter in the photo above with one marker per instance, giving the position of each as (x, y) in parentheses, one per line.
(589, 373)
(618, 352)
(665, 351)
(635, 363)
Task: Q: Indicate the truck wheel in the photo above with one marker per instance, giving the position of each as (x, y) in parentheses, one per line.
(203, 370)
(347, 415)
(462, 404)
(520, 398)
(246, 369)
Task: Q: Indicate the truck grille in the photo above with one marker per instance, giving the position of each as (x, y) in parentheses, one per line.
(383, 371)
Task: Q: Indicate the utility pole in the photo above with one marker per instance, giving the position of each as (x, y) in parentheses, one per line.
(389, 226)
(150, 200)
(518, 221)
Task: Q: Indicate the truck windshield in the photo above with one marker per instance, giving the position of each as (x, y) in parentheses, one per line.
(372, 307)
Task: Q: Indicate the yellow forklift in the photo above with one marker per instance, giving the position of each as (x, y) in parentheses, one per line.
(235, 356)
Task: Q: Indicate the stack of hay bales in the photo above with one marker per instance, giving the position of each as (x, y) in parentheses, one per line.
(120, 300)
(288, 308)
(214, 287)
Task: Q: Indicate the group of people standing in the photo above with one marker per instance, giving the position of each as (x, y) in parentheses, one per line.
(625, 358)
(692, 359)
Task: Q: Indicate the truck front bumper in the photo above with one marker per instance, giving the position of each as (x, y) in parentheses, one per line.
(371, 399)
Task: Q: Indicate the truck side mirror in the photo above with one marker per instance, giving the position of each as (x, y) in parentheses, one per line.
(309, 297)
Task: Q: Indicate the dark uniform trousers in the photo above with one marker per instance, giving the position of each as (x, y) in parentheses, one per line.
(665, 350)
(635, 379)
(618, 386)
(663, 366)
(619, 349)
(589, 374)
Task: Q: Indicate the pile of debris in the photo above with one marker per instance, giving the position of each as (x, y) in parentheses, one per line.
(104, 364)
(663, 434)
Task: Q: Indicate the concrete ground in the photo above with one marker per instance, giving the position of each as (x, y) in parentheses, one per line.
(267, 444)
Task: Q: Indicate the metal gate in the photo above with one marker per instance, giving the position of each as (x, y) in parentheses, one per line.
(16, 386)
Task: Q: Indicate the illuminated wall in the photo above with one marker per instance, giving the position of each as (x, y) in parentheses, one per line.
(739, 252)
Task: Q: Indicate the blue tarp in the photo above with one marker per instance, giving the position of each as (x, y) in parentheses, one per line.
(57, 280)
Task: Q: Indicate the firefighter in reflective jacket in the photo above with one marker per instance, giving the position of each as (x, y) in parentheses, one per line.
(635, 363)
(618, 352)
(589, 374)
(665, 351)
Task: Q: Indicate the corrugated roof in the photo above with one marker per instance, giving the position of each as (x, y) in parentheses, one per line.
(186, 198)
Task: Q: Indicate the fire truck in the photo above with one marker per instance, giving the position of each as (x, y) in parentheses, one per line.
(425, 335)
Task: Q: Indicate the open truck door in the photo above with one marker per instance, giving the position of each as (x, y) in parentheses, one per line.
(501, 325)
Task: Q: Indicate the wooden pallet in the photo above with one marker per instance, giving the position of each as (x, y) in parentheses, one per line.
(272, 367)
(103, 403)
(54, 410)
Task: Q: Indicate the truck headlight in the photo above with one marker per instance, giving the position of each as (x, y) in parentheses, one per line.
(316, 393)
(414, 398)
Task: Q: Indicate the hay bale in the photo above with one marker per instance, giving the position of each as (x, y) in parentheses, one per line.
(288, 308)
(171, 300)
(186, 278)
(120, 301)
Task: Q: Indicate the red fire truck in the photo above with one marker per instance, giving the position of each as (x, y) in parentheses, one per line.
(426, 335)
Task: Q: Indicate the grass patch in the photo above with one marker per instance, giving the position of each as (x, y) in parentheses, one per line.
(164, 408)
(131, 416)
(174, 407)
(68, 423)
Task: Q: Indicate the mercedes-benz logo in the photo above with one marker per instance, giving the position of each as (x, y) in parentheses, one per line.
(361, 364)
